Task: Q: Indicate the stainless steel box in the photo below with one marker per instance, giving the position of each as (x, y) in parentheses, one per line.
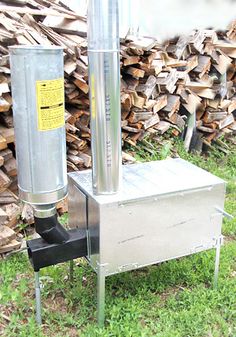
(165, 209)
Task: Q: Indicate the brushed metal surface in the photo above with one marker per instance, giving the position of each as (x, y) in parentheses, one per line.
(143, 180)
(105, 121)
(41, 155)
(151, 231)
(43, 198)
(77, 205)
(166, 209)
(104, 93)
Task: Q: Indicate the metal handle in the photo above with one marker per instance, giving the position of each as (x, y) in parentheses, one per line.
(224, 213)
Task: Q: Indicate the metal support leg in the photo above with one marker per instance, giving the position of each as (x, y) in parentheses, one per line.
(191, 126)
(217, 263)
(38, 298)
(100, 297)
(71, 272)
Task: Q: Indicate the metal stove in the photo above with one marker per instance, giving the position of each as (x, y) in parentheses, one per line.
(164, 210)
(120, 219)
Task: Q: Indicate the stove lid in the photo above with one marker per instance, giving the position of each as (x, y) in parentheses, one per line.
(151, 179)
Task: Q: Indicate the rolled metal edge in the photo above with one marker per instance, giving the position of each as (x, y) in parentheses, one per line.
(43, 198)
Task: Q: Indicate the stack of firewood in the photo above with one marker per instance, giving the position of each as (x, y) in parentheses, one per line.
(10, 210)
(162, 87)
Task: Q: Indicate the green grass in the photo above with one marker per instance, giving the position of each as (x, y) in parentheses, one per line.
(172, 299)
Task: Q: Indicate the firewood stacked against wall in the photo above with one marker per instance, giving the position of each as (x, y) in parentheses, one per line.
(161, 86)
(10, 210)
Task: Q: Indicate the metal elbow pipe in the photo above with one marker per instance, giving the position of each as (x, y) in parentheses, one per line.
(48, 226)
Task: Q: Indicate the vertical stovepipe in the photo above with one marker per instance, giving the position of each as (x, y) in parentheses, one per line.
(37, 80)
(104, 79)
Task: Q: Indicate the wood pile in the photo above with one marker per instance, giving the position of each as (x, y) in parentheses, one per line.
(162, 87)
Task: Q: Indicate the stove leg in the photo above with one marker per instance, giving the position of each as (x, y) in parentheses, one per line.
(71, 272)
(38, 298)
(217, 263)
(100, 297)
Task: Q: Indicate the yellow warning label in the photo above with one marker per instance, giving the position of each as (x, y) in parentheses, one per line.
(50, 104)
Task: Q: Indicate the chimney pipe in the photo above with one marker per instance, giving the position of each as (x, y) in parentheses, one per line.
(104, 79)
(37, 80)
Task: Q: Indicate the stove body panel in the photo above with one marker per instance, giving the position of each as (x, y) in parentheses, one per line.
(165, 210)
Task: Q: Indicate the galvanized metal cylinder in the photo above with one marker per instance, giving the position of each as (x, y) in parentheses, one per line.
(104, 79)
(37, 81)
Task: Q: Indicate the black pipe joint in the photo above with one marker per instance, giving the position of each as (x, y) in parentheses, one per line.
(43, 254)
(51, 230)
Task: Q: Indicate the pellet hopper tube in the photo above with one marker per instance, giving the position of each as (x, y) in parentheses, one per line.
(104, 80)
(37, 80)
